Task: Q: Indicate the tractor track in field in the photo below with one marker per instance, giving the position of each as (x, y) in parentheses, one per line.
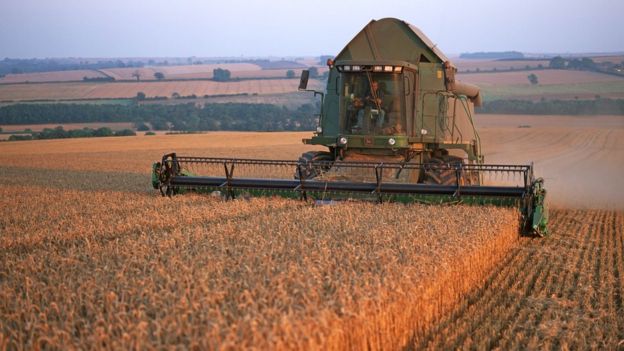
(564, 291)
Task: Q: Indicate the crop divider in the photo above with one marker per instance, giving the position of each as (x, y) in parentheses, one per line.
(229, 171)
(379, 179)
(300, 187)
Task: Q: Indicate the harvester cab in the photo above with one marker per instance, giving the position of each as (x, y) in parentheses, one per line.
(397, 126)
(392, 95)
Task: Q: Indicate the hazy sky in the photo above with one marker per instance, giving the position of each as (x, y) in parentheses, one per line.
(128, 28)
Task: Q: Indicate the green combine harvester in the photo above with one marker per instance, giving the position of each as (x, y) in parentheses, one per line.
(397, 126)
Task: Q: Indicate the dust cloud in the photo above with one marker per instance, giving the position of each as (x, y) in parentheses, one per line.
(581, 158)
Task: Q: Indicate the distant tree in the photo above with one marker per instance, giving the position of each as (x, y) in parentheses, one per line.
(575, 64)
(103, 132)
(290, 74)
(313, 72)
(140, 96)
(557, 63)
(175, 95)
(136, 74)
(159, 75)
(532, 78)
(588, 64)
(20, 137)
(221, 75)
(124, 132)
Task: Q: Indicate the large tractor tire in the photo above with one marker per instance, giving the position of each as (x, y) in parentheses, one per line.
(441, 170)
(314, 163)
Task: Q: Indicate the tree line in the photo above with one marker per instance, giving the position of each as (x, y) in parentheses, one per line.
(179, 117)
(17, 66)
(60, 133)
(586, 64)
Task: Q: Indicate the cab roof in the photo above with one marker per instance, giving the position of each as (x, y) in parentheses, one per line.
(391, 39)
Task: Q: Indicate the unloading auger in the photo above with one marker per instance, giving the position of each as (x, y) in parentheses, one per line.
(397, 127)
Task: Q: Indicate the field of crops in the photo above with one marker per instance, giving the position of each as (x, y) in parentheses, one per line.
(69, 91)
(56, 76)
(581, 158)
(90, 256)
(488, 65)
(203, 71)
(177, 72)
(122, 269)
(545, 77)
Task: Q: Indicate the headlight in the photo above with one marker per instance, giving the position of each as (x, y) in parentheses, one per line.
(342, 141)
(391, 141)
(423, 131)
(319, 129)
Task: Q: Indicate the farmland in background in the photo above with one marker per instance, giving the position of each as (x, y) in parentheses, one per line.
(501, 65)
(498, 79)
(269, 69)
(73, 91)
(290, 100)
(56, 76)
(172, 72)
(546, 77)
(553, 84)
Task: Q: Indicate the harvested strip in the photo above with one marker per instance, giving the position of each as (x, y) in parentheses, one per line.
(563, 292)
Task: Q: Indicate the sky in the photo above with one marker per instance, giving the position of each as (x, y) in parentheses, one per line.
(286, 28)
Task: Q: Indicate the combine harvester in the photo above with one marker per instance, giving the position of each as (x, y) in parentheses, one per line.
(397, 126)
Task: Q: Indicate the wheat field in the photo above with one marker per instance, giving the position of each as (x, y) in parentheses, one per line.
(92, 257)
(74, 90)
(121, 270)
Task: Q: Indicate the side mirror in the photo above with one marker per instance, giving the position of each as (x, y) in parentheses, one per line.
(303, 83)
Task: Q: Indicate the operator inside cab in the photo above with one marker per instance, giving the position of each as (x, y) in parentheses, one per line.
(372, 104)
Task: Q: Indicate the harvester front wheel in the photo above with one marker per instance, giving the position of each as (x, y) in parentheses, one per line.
(313, 163)
(442, 171)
